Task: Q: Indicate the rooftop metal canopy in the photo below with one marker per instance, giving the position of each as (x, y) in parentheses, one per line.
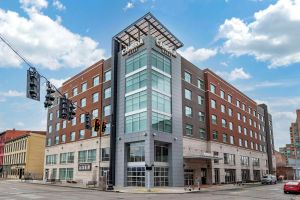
(148, 24)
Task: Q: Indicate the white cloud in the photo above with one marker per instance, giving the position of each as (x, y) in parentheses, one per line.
(44, 41)
(272, 37)
(20, 124)
(58, 82)
(224, 64)
(201, 54)
(237, 73)
(143, 1)
(58, 5)
(128, 6)
(12, 93)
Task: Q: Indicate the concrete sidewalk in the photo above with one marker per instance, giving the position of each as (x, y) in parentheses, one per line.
(160, 190)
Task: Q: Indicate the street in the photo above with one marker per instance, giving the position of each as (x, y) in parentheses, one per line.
(11, 190)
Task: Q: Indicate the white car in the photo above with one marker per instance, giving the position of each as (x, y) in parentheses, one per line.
(269, 179)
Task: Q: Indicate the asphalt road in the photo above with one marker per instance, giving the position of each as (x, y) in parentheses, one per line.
(10, 190)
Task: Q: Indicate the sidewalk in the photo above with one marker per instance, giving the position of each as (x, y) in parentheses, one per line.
(161, 190)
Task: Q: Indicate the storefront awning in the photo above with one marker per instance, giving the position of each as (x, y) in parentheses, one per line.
(209, 157)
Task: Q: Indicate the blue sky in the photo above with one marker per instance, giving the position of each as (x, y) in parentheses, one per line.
(254, 44)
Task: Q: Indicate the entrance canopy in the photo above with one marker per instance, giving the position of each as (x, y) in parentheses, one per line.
(202, 156)
(148, 25)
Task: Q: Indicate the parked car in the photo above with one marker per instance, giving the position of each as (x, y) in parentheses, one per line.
(269, 179)
(291, 186)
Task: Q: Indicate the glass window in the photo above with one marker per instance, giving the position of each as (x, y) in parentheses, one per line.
(161, 122)
(95, 97)
(161, 176)
(83, 102)
(50, 129)
(200, 100)
(188, 111)
(231, 139)
(244, 119)
(224, 124)
(222, 108)
(201, 84)
(230, 126)
(136, 152)
(246, 143)
(202, 133)
(49, 142)
(136, 81)
(160, 102)
(161, 62)
(75, 91)
(81, 134)
(57, 114)
(213, 88)
(135, 62)
(105, 154)
(201, 116)
(64, 124)
(136, 101)
(107, 93)
(107, 110)
(57, 126)
(96, 81)
(238, 103)
(245, 131)
(188, 129)
(224, 137)
(73, 134)
(222, 94)
(239, 116)
(240, 129)
(82, 116)
(83, 87)
(161, 83)
(240, 142)
(229, 98)
(56, 139)
(213, 103)
(187, 77)
(230, 112)
(107, 76)
(188, 94)
(87, 156)
(51, 116)
(136, 122)
(63, 138)
(107, 130)
(215, 135)
(213, 119)
(95, 113)
(229, 159)
(161, 152)
(74, 121)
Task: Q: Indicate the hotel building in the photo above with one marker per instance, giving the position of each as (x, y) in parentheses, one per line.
(162, 111)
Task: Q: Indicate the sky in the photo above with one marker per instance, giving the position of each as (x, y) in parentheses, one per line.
(253, 44)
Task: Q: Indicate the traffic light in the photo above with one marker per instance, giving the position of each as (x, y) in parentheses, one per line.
(87, 121)
(97, 125)
(33, 84)
(103, 127)
(71, 112)
(49, 98)
(63, 108)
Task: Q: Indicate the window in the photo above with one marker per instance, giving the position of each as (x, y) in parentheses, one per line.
(136, 152)
(136, 122)
(96, 81)
(202, 133)
(200, 100)
(82, 116)
(57, 126)
(50, 129)
(63, 138)
(224, 137)
(229, 159)
(107, 130)
(95, 113)
(49, 142)
(56, 139)
(250, 122)
(74, 121)
(136, 101)
(161, 62)
(224, 124)
(67, 158)
(75, 91)
(107, 76)
(255, 161)
(161, 83)
(213, 119)
(251, 134)
(251, 145)
(161, 122)
(87, 156)
(105, 154)
(222, 108)
(83, 87)
(212, 88)
(230, 112)
(160, 102)
(81, 134)
(213, 103)
(238, 103)
(245, 160)
(243, 106)
(215, 135)
(83, 102)
(135, 62)
(187, 77)
(51, 159)
(245, 131)
(188, 129)
(239, 116)
(244, 119)
(229, 98)
(107, 93)
(187, 94)
(107, 111)
(249, 110)
(135, 176)
(51, 116)
(240, 142)
(222, 94)
(136, 81)
(161, 152)
(72, 138)
(246, 143)
(188, 111)
(95, 97)
(230, 126)
(201, 116)
(216, 154)
(64, 124)
(231, 139)
(200, 84)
